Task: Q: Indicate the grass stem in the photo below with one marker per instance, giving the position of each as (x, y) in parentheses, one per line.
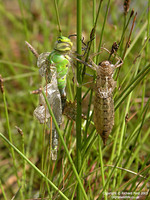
(79, 98)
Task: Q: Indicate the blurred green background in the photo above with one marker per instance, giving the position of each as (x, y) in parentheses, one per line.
(35, 21)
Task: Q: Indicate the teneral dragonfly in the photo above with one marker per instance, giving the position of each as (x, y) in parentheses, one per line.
(54, 66)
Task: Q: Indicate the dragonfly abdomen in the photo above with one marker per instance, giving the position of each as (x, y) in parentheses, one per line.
(61, 64)
(103, 115)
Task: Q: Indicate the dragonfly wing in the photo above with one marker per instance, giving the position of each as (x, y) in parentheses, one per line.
(54, 99)
(42, 63)
(40, 114)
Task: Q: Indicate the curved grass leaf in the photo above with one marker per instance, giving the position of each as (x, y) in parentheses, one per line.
(140, 76)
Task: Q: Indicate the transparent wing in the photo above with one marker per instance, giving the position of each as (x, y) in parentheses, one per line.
(42, 63)
(43, 115)
(54, 99)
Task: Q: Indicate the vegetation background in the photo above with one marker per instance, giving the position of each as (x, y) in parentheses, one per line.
(120, 166)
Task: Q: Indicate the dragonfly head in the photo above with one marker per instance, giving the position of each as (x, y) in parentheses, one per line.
(63, 44)
(106, 64)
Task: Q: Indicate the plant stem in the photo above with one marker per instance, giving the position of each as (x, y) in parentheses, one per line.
(33, 166)
(10, 134)
(79, 92)
(65, 147)
(102, 32)
(102, 166)
(2, 190)
(57, 15)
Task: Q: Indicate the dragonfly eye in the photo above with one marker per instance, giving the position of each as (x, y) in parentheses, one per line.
(63, 39)
(63, 44)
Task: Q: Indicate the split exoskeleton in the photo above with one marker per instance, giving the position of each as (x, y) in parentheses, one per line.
(103, 103)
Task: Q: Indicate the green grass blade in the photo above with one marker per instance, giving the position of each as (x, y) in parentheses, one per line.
(64, 144)
(79, 98)
(136, 39)
(131, 86)
(2, 190)
(103, 27)
(32, 165)
(57, 16)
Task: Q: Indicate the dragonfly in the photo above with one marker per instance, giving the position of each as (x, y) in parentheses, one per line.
(54, 67)
(58, 60)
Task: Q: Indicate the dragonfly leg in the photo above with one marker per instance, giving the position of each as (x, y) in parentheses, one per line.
(119, 62)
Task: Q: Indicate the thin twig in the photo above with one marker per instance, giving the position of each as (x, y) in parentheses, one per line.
(35, 53)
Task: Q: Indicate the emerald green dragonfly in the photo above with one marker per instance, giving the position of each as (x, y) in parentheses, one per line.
(54, 67)
(57, 61)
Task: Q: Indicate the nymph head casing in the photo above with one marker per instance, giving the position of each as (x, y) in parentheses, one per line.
(106, 69)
